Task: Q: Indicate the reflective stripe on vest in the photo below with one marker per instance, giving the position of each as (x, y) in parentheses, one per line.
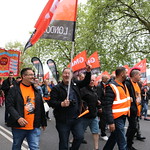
(120, 106)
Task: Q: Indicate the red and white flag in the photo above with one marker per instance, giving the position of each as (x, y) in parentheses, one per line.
(79, 61)
(62, 26)
(57, 21)
(43, 22)
(93, 60)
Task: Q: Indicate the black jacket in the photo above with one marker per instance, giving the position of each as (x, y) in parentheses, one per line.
(6, 85)
(145, 99)
(90, 96)
(100, 91)
(59, 94)
(15, 107)
(133, 108)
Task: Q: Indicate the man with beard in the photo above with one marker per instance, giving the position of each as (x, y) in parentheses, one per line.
(101, 93)
(67, 108)
(25, 106)
(135, 110)
(116, 108)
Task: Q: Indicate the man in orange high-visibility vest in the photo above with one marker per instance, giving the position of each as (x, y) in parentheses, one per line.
(135, 94)
(116, 108)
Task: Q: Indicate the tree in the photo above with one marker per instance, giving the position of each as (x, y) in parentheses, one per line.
(118, 29)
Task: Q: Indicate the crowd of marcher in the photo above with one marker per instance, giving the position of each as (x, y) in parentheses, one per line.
(115, 101)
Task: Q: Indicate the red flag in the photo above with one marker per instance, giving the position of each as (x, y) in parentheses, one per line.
(79, 61)
(46, 76)
(128, 68)
(57, 21)
(62, 26)
(141, 65)
(43, 22)
(93, 60)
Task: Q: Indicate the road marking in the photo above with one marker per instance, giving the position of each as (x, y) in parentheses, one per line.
(10, 139)
(4, 129)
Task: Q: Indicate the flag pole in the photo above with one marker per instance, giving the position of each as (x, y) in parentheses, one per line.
(69, 84)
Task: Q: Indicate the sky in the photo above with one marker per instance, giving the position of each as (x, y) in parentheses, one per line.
(18, 18)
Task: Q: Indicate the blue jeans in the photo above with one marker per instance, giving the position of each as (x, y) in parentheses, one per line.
(32, 136)
(145, 109)
(118, 136)
(64, 129)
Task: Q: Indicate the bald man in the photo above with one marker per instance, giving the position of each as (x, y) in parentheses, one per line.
(100, 93)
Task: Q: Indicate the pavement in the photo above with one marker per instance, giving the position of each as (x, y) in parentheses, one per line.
(49, 137)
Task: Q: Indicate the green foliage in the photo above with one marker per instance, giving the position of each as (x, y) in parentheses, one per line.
(118, 29)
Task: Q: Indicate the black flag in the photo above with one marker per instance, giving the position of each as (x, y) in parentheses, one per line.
(38, 65)
(52, 66)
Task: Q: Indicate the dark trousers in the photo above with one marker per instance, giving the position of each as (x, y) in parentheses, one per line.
(64, 129)
(138, 134)
(6, 113)
(132, 129)
(102, 124)
(47, 115)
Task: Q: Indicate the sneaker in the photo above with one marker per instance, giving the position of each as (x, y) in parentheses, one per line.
(146, 119)
(105, 138)
(71, 141)
(48, 118)
(84, 141)
(140, 138)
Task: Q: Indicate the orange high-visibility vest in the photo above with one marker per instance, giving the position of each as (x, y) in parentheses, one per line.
(137, 95)
(122, 102)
